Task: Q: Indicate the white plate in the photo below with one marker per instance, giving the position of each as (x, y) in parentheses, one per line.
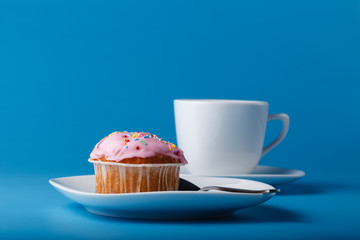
(271, 175)
(163, 205)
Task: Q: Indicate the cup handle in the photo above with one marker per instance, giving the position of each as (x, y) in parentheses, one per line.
(285, 127)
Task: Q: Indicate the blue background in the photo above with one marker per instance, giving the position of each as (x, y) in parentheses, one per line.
(72, 72)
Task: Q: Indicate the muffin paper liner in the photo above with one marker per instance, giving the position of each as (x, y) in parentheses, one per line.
(112, 177)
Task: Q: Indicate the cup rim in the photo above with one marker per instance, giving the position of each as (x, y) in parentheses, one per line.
(222, 101)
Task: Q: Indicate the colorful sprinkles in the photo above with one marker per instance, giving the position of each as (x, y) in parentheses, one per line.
(139, 136)
(112, 133)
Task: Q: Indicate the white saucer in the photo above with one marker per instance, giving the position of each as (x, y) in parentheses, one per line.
(163, 205)
(271, 175)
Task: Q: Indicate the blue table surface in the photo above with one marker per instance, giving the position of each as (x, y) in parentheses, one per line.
(309, 208)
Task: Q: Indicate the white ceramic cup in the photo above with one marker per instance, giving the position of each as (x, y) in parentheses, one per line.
(224, 136)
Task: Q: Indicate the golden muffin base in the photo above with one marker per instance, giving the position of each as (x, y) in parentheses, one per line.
(114, 177)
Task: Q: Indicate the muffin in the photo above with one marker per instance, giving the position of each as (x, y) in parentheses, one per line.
(127, 162)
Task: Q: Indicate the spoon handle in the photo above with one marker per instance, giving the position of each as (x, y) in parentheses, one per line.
(239, 190)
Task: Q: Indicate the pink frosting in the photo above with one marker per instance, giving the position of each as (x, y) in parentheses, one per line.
(122, 145)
